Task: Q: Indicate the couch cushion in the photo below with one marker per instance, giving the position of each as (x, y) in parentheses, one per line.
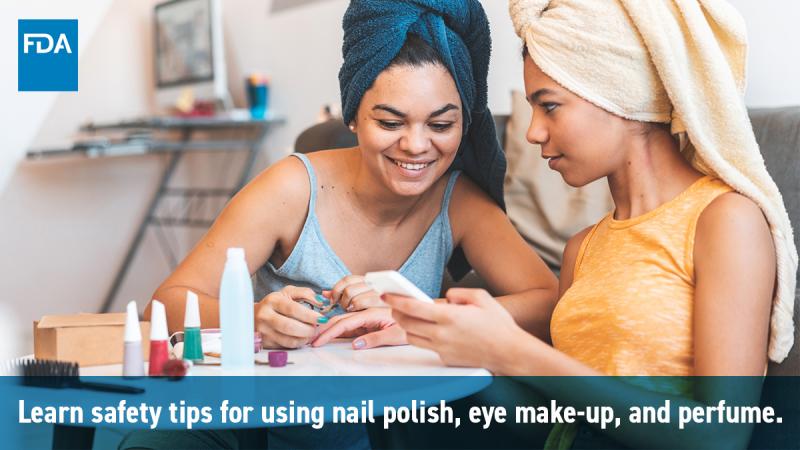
(330, 134)
(777, 131)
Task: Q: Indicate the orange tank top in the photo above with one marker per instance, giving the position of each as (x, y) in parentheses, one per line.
(629, 309)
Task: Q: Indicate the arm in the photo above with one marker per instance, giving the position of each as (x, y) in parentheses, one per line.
(264, 215)
(525, 285)
(735, 269)
(733, 282)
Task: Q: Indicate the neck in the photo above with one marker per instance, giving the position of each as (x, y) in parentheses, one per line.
(378, 204)
(652, 173)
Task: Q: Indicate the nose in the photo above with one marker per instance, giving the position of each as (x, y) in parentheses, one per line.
(537, 131)
(415, 141)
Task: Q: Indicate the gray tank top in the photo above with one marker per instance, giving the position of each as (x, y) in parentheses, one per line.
(313, 263)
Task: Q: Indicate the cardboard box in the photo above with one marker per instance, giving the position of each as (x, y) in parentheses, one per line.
(88, 339)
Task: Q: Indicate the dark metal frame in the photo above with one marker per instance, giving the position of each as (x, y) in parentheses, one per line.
(191, 198)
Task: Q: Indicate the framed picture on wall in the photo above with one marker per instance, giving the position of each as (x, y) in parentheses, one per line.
(184, 50)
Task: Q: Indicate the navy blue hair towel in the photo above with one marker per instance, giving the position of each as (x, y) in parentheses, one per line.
(374, 33)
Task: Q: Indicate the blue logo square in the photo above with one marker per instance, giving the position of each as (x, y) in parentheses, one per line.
(47, 54)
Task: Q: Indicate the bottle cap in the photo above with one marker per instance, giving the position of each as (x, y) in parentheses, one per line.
(132, 331)
(192, 317)
(277, 358)
(235, 252)
(158, 322)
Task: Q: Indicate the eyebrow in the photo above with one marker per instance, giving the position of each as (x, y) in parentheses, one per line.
(397, 113)
(443, 110)
(533, 98)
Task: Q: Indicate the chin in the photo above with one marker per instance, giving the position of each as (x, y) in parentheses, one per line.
(576, 180)
(410, 189)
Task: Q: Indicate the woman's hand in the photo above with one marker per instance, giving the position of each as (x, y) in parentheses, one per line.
(353, 294)
(283, 321)
(471, 330)
(373, 327)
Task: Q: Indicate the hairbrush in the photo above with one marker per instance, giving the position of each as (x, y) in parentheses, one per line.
(60, 374)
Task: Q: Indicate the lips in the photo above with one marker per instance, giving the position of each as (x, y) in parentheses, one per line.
(414, 166)
(552, 160)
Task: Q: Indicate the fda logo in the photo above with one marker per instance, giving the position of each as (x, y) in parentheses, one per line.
(38, 38)
(47, 52)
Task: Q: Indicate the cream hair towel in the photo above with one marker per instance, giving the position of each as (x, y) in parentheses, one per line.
(672, 61)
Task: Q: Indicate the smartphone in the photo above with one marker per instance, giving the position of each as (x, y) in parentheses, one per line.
(392, 282)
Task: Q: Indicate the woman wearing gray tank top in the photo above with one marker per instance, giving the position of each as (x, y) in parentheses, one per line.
(395, 202)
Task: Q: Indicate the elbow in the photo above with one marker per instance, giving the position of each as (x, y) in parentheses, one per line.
(538, 323)
(552, 295)
(552, 290)
(550, 306)
(173, 307)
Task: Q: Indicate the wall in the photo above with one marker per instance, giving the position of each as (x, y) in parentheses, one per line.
(64, 222)
(773, 66)
(32, 107)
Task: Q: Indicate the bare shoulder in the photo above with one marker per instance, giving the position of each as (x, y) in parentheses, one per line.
(334, 167)
(734, 227)
(286, 179)
(732, 214)
(282, 189)
(330, 156)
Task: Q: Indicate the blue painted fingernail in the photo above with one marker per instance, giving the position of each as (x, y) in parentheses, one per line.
(359, 343)
(321, 298)
(321, 320)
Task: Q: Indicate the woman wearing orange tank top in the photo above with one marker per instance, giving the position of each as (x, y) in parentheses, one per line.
(684, 277)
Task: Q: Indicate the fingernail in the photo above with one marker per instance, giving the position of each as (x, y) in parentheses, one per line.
(321, 299)
(359, 343)
(321, 320)
(383, 297)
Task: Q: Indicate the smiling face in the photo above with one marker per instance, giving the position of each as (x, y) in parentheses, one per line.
(409, 127)
(581, 141)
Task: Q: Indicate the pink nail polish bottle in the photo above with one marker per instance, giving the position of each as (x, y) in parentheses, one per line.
(159, 350)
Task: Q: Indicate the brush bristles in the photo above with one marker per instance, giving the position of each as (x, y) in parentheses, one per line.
(42, 372)
(49, 368)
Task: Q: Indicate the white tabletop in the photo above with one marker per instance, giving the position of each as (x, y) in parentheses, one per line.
(336, 359)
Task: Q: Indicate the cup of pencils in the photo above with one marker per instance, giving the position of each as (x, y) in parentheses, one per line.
(257, 86)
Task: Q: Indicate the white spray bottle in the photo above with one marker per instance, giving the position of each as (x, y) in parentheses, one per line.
(236, 313)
